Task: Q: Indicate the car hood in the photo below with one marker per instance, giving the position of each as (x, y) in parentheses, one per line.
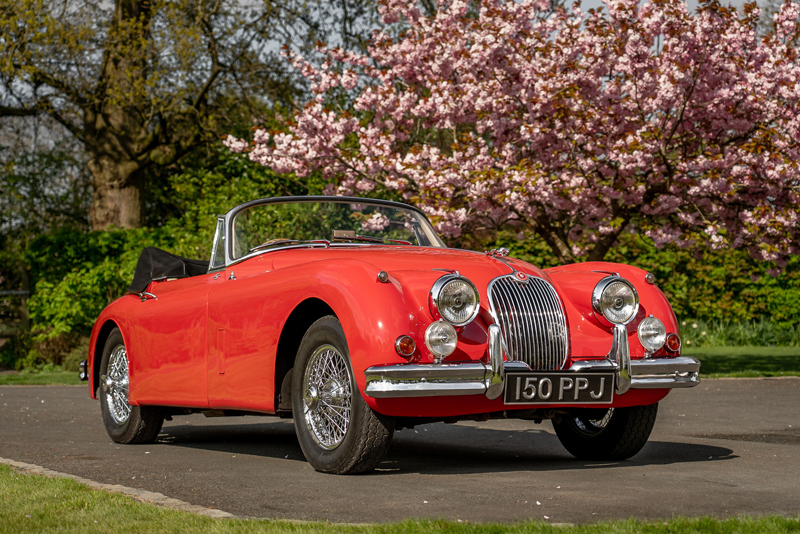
(397, 260)
(413, 270)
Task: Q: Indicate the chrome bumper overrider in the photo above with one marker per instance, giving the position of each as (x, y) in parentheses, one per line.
(475, 378)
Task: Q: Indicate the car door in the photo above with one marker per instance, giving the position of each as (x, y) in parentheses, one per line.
(243, 331)
(168, 367)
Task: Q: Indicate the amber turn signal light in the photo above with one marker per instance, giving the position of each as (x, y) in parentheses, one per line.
(673, 343)
(405, 346)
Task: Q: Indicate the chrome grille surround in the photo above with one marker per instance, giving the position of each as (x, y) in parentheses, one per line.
(532, 319)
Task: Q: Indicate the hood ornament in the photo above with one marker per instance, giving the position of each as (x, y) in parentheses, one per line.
(501, 252)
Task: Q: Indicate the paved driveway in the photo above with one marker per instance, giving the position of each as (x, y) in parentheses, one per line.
(726, 447)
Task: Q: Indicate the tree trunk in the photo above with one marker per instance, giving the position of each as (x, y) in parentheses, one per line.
(118, 195)
(115, 129)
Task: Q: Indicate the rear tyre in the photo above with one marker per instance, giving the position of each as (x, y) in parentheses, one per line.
(124, 423)
(338, 432)
(612, 434)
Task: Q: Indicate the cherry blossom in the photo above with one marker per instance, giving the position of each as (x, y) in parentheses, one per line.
(574, 125)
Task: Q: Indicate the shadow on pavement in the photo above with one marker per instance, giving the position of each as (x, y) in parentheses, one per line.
(446, 449)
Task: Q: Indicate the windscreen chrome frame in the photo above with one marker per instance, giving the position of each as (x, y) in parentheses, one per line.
(231, 215)
(220, 227)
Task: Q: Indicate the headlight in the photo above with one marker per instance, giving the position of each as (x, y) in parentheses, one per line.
(441, 339)
(615, 299)
(652, 334)
(455, 299)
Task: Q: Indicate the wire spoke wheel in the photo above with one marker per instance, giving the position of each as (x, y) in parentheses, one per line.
(594, 425)
(124, 423)
(327, 396)
(337, 430)
(115, 386)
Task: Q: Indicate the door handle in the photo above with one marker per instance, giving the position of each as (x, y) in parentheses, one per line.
(144, 295)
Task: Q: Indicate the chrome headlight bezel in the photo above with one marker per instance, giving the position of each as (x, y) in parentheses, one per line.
(597, 295)
(434, 298)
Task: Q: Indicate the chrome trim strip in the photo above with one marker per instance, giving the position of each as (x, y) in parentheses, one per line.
(593, 365)
(474, 378)
(662, 366)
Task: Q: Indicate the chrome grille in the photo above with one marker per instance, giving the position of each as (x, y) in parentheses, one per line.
(532, 320)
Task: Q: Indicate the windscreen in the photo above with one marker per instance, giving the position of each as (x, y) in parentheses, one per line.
(265, 226)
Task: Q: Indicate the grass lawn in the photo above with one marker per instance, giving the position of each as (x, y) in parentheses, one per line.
(746, 361)
(48, 378)
(34, 503)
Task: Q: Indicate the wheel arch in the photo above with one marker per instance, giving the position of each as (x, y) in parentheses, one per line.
(299, 321)
(100, 344)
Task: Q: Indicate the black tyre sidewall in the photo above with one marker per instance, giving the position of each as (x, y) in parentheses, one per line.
(326, 331)
(623, 436)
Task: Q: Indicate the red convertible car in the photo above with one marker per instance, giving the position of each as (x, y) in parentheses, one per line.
(351, 316)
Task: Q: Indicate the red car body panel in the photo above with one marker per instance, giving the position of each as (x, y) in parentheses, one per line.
(210, 341)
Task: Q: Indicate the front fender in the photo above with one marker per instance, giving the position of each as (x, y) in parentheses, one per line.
(588, 336)
(373, 314)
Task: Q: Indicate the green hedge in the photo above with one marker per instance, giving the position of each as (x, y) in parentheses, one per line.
(75, 273)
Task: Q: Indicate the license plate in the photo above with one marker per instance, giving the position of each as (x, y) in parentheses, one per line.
(559, 388)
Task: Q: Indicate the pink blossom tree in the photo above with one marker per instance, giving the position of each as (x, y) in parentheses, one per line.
(573, 125)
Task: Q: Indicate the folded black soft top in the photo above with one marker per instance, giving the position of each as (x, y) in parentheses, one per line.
(157, 264)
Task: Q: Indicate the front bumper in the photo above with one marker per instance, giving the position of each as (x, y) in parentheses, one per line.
(476, 378)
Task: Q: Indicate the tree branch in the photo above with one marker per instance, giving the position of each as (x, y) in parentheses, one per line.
(6, 111)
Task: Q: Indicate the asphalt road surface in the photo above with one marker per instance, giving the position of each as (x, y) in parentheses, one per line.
(725, 448)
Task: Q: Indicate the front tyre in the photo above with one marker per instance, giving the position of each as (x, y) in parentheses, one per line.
(338, 432)
(612, 434)
(124, 423)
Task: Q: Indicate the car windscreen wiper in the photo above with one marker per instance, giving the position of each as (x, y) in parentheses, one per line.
(278, 242)
(371, 239)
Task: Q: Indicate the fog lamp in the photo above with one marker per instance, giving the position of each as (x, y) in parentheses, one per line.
(652, 333)
(441, 339)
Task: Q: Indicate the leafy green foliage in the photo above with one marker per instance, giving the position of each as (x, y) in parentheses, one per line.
(77, 273)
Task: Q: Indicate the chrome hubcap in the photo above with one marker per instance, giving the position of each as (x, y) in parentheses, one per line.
(327, 396)
(115, 385)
